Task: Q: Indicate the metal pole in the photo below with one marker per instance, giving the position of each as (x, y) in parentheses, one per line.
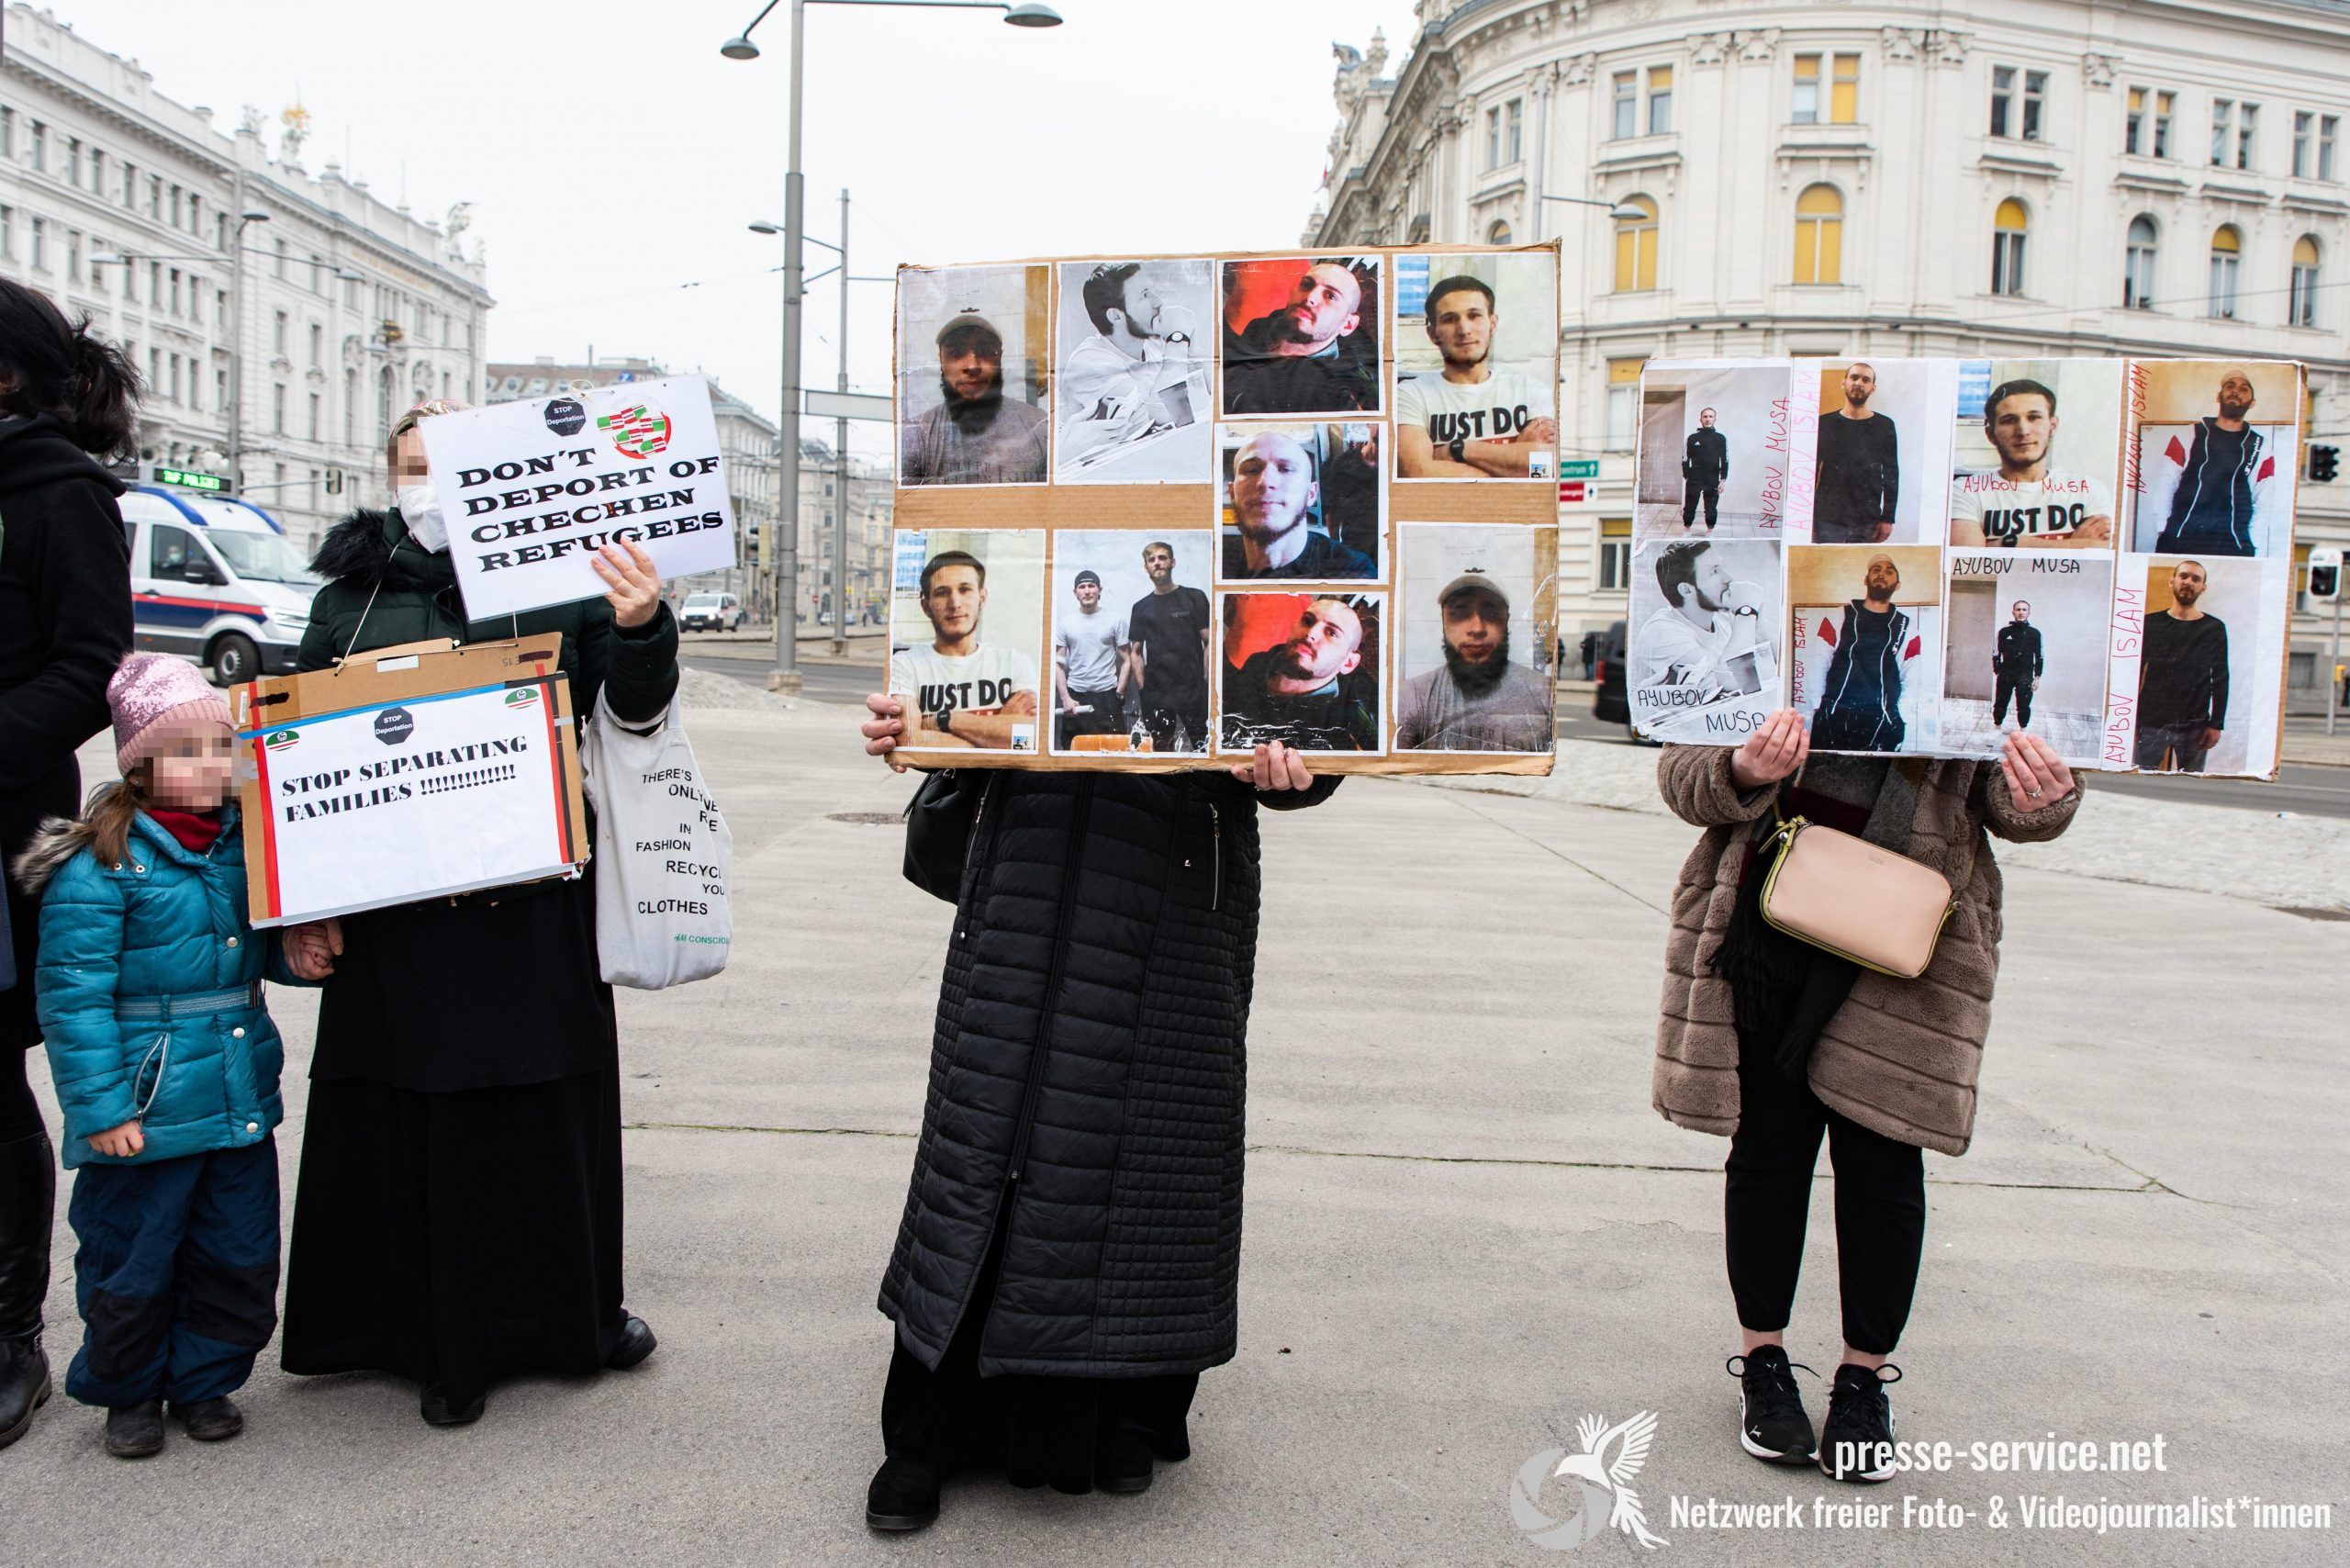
(839, 465)
(236, 337)
(785, 675)
(2334, 658)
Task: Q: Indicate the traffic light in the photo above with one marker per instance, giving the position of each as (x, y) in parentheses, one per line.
(2325, 573)
(2326, 462)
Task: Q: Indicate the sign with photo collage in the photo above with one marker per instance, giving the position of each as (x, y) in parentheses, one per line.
(1925, 555)
(1152, 511)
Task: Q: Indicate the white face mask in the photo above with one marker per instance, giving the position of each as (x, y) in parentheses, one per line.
(420, 510)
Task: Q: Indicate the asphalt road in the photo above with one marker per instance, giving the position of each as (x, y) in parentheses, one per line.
(2309, 791)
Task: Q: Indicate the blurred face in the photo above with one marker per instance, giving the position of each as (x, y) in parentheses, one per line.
(2236, 395)
(1460, 325)
(2022, 612)
(408, 464)
(1322, 306)
(1272, 484)
(2186, 582)
(1860, 385)
(1088, 596)
(953, 602)
(972, 367)
(1881, 579)
(2022, 427)
(190, 771)
(1475, 626)
(1706, 418)
(1158, 562)
(1327, 644)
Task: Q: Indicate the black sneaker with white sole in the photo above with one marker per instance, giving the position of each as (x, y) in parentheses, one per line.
(1772, 1424)
(1857, 1441)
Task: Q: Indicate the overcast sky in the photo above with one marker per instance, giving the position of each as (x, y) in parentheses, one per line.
(612, 155)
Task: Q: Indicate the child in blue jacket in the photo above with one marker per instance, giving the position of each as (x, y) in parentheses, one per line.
(167, 1066)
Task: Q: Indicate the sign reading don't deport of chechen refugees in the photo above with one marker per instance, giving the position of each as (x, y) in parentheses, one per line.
(533, 489)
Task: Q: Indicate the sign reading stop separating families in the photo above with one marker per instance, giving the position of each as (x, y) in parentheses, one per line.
(533, 489)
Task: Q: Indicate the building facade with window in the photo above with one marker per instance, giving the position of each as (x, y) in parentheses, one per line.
(2015, 176)
(117, 202)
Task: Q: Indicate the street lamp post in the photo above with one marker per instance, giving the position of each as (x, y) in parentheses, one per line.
(785, 675)
(840, 463)
(237, 337)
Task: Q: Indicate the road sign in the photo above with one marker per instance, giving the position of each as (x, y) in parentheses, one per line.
(1573, 491)
(2325, 574)
(1579, 468)
(847, 405)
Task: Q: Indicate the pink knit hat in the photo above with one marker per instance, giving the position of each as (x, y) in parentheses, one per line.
(150, 689)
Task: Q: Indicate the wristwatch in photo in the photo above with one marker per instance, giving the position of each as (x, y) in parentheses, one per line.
(943, 718)
(1459, 449)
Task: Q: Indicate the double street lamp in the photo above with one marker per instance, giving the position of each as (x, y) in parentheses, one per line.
(786, 677)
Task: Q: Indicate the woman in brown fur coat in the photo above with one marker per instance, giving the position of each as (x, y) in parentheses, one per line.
(1774, 1043)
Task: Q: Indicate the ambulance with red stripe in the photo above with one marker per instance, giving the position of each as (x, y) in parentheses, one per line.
(215, 578)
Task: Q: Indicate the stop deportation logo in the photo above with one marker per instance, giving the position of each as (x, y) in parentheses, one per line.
(528, 505)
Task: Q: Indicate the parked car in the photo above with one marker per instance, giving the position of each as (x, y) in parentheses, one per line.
(215, 579)
(712, 612)
(1607, 701)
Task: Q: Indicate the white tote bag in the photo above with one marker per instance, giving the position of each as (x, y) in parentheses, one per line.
(664, 857)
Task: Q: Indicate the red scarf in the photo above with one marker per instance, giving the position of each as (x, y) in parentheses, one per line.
(196, 830)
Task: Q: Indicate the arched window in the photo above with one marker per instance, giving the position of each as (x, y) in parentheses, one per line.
(2302, 306)
(2227, 256)
(1499, 233)
(1419, 233)
(1636, 246)
(1820, 235)
(2010, 226)
(2138, 265)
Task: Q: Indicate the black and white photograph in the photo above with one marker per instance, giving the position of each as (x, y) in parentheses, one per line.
(1474, 656)
(1131, 641)
(1704, 638)
(1133, 373)
(1476, 366)
(1303, 669)
(1717, 443)
(966, 616)
(973, 401)
(2026, 651)
(2217, 455)
(1883, 451)
(2037, 459)
(1301, 336)
(1300, 501)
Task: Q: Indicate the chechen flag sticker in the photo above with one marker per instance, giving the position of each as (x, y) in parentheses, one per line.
(639, 431)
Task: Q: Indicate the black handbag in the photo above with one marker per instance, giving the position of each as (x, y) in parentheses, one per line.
(939, 823)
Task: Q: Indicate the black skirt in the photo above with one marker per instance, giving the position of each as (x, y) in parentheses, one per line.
(457, 1237)
(1066, 1432)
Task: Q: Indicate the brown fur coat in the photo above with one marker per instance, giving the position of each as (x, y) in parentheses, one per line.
(1900, 1056)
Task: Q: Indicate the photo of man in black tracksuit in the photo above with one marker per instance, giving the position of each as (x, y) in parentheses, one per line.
(1704, 464)
(2182, 678)
(1859, 468)
(2016, 664)
(2223, 476)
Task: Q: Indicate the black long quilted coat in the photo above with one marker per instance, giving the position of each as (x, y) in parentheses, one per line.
(1089, 1069)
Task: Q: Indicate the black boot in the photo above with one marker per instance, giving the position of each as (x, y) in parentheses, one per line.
(28, 1199)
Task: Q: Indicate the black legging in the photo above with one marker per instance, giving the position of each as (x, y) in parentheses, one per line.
(19, 1111)
(1880, 1207)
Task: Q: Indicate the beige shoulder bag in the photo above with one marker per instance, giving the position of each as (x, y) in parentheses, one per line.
(1882, 910)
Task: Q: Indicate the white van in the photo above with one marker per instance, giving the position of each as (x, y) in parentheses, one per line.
(712, 612)
(215, 579)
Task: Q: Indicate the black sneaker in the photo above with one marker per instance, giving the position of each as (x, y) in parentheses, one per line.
(1857, 1441)
(1772, 1424)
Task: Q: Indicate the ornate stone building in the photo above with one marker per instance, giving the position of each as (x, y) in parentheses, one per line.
(2153, 177)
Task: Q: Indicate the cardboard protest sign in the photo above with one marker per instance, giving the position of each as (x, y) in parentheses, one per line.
(531, 489)
(2098, 552)
(1145, 510)
(408, 773)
